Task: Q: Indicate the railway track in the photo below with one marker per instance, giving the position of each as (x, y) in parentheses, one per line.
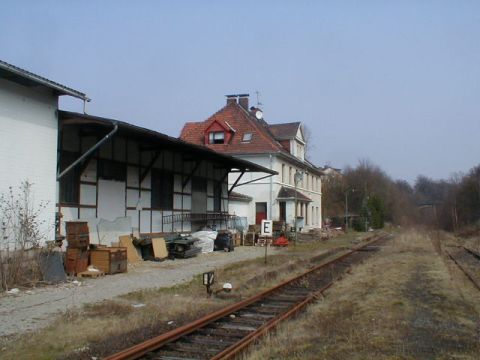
(224, 333)
(468, 261)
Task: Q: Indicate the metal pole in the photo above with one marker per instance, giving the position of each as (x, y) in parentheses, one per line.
(295, 221)
(266, 246)
(346, 211)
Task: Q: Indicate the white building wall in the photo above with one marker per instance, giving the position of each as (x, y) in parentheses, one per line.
(260, 191)
(239, 208)
(28, 145)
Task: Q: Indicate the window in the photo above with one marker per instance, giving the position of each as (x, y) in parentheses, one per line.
(216, 137)
(283, 173)
(290, 175)
(247, 137)
(69, 183)
(162, 189)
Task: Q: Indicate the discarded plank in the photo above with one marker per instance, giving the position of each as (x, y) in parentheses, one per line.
(159, 248)
(132, 254)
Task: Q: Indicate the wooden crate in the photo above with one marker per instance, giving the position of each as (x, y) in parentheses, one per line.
(76, 261)
(110, 260)
(77, 233)
(76, 227)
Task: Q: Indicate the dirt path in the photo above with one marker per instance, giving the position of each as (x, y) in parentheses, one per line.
(36, 308)
(407, 302)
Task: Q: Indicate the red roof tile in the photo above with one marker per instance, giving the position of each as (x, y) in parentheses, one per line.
(284, 131)
(237, 118)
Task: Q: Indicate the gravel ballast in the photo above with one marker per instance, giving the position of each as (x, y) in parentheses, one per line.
(33, 309)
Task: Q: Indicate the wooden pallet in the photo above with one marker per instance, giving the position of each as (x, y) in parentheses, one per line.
(91, 274)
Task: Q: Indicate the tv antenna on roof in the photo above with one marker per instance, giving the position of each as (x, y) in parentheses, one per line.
(259, 103)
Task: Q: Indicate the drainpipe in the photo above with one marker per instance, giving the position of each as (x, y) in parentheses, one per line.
(88, 152)
(271, 189)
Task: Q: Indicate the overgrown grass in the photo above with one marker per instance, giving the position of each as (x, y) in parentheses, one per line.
(108, 326)
(400, 304)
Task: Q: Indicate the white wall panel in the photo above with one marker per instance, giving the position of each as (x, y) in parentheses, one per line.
(111, 199)
(88, 194)
(187, 202)
(177, 201)
(146, 199)
(144, 221)
(132, 198)
(157, 221)
(87, 214)
(133, 215)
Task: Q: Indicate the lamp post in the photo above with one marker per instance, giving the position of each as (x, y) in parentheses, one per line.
(346, 208)
(296, 179)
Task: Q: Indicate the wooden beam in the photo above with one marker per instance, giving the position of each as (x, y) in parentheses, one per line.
(236, 182)
(149, 167)
(189, 176)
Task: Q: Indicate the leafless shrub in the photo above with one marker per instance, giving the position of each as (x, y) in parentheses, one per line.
(20, 230)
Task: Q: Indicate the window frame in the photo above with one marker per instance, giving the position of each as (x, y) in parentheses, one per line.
(214, 137)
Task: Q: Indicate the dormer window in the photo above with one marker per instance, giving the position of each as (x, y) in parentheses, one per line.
(216, 137)
(247, 137)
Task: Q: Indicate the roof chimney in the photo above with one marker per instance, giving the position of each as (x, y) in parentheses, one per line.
(231, 99)
(243, 101)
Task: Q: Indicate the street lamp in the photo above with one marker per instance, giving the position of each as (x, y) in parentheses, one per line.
(346, 207)
(296, 179)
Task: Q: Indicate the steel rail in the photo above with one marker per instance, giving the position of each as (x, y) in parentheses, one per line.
(156, 343)
(464, 270)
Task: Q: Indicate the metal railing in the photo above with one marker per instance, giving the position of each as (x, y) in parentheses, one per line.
(197, 217)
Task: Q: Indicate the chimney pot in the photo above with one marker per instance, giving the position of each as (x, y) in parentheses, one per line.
(231, 99)
(243, 101)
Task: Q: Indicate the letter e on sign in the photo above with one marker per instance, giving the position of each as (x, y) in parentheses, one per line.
(266, 228)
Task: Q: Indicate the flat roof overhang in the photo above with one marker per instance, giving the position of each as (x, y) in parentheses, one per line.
(153, 140)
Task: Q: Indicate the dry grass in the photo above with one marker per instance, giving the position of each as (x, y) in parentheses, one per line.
(400, 304)
(102, 328)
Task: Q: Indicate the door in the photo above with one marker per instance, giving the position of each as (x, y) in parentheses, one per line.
(283, 210)
(260, 212)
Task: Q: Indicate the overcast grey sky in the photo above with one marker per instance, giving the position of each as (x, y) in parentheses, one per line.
(396, 82)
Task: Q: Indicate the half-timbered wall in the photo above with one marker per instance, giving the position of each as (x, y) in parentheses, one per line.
(125, 188)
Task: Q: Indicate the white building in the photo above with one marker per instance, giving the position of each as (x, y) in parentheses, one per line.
(241, 131)
(29, 136)
(91, 168)
(110, 169)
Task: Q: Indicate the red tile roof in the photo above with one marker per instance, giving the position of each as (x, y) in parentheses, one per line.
(265, 138)
(289, 193)
(234, 116)
(239, 197)
(284, 131)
